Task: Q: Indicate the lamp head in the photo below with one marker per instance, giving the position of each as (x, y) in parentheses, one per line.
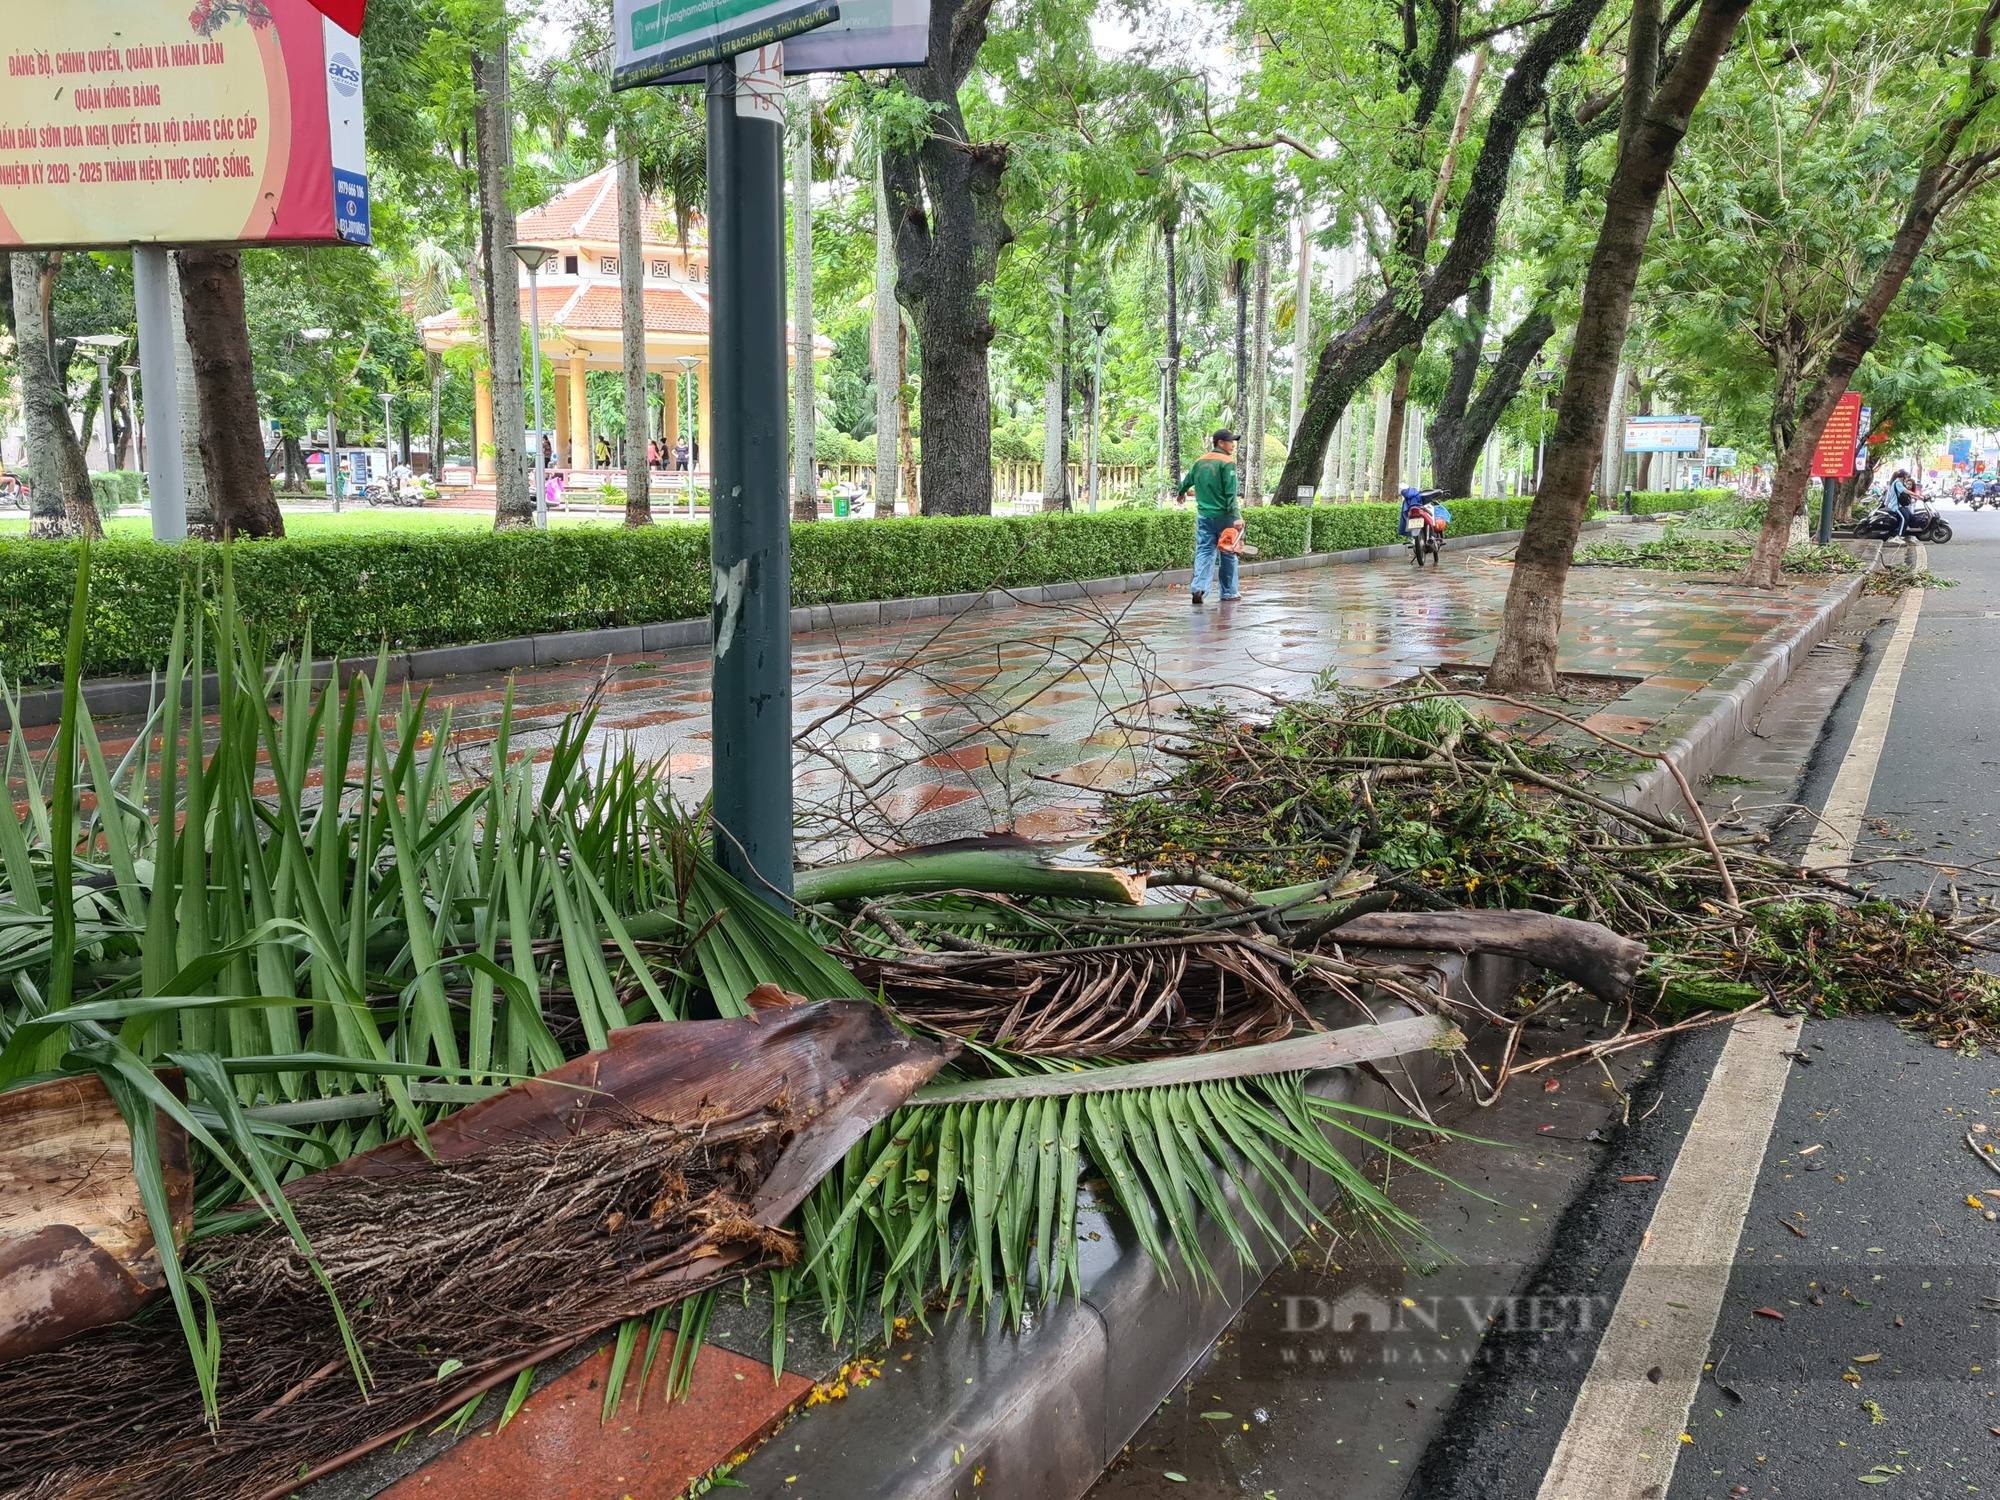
(532, 256)
(1100, 321)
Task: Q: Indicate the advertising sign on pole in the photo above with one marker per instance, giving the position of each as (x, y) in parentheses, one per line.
(656, 38)
(129, 122)
(1663, 435)
(1834, 457)
(1720, 458)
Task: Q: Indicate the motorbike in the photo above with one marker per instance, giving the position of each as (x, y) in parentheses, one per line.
(1925, 524)
(15, 490)
(380, 492)
(1424, 523)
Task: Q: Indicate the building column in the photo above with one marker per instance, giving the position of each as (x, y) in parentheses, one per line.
(579, 413)
(556, 414)
(482, 425)
(702, 391)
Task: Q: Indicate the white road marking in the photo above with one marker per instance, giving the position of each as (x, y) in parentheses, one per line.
(1624, 1433)
(1846, 805)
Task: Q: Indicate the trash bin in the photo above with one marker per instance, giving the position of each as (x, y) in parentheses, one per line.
(840, 505)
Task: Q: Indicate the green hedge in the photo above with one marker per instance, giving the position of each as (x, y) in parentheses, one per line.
(1653, 502)
(117, 490)
(418, 590)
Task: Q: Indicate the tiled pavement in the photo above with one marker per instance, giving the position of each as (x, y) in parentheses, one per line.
(1014, 718)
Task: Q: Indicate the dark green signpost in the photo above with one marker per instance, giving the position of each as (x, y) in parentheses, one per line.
(658, 41)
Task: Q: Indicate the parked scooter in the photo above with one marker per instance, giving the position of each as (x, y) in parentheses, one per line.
(1424, 523)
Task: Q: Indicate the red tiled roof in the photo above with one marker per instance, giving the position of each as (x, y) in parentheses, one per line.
(588, 210)
(601, 309)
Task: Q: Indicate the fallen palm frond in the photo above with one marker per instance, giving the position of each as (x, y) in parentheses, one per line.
(625, 1181)
(997, 864)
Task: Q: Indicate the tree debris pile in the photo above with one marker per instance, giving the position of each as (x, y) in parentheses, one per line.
(1677, 552)
(1444, 808)
(1168, 997)
(451, 1279)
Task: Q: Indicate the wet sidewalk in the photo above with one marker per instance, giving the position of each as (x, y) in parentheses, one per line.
(1017, 718)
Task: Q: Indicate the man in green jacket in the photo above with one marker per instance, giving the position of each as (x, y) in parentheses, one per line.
(1213, 480)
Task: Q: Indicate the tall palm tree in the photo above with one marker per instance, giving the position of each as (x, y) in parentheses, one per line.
(436, 274)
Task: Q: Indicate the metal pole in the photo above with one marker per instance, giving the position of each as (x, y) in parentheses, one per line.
(535, 352)
(104, 385)
(749, 521)
(333, 485)
(165, 484)
(1826, 513)
(388, 450)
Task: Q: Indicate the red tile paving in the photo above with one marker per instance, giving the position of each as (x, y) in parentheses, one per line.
(558, 1448)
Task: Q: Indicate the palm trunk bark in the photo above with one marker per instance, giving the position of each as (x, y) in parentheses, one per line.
(805, 458)
(1055, 489)
(1301, 333)
(1399, 317)
(1239, 413)
(61, 504)
(434, 378)
(1941, 182)
(888, 351)
(632, 315)
(232, 445)
(1654, 125)
(950, 230)
(514, 498)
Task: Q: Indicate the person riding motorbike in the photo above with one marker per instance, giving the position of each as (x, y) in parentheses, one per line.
(1978, 491)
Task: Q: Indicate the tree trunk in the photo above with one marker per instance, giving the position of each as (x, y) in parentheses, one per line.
(61, 504)
(887, 346)
(1940, 183)
(295, 464)
(950, 230)
(232, 445)
(1239, 412)
(1464, 423)
(514, 498)
(1301, 333)
(1260, 376)
(632, 315)
(805, 429)
(434, 378)
(1399, 317)
(1168, 233)
(1525, 659)
(1055, 488)
(912, 481)
(126, 429)
(1399, 405)
(194, 472)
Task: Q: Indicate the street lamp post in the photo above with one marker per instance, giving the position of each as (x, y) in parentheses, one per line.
(1100, 322)
(101, 345)
(389, 449)
(532, 256)
(684, 413)
(138, 427)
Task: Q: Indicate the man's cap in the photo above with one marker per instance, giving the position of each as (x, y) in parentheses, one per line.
(1223, 435)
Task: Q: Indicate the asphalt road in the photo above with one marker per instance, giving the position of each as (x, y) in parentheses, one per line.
(1881, 1375)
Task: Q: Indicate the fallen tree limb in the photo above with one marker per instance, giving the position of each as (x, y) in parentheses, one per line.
(1595, 957)
(1002, 866)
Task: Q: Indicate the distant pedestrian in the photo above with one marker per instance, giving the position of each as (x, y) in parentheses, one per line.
(653, 459)
(603, 453)
(681, 457)
(1213, 480)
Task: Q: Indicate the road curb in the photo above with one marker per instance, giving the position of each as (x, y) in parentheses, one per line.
(1722, 712)
(136, 695)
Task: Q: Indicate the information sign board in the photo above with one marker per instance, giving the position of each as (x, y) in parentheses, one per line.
(1663, 435)
(1834, 457)
(657, 38)
(139, 122)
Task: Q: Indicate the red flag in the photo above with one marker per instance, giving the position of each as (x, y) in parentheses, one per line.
(346, 14)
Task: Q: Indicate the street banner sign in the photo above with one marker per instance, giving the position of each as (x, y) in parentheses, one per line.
(129, 122)
(869, 34)
(1834, 457)
(656, 38)
(1663, 435)
(1961, 450)
(1720, 458)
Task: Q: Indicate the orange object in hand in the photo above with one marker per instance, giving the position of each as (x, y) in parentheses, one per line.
(1231, 540)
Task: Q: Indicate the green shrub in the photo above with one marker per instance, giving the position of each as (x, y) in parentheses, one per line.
(414, 590)
(1653, 502)
(119, 488)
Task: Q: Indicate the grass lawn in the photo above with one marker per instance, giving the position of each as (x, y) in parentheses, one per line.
(138, 524)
